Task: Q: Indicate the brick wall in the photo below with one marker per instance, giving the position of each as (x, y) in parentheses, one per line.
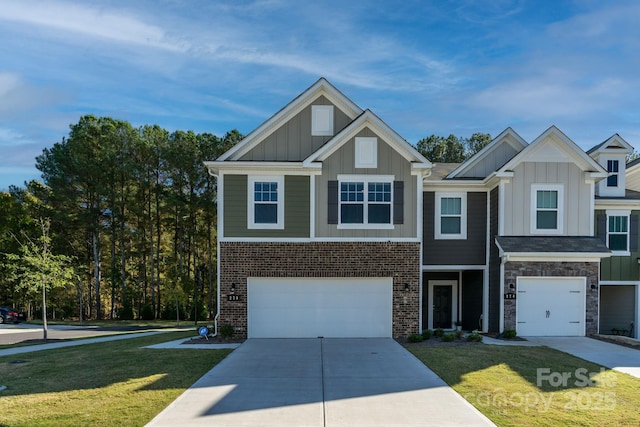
(559, 269)
(401, 261)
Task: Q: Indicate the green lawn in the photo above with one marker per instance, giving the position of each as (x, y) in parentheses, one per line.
(502, 382)
(113, 383)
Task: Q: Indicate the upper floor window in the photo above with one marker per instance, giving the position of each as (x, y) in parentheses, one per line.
(547, 202)
(613, 169)
(618, 232)
(322, 120)
(451, 216)
(266, 202)
(365, 202)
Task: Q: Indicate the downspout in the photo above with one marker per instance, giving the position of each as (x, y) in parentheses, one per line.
(217, 316)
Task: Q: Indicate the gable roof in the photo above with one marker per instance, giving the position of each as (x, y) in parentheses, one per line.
(563, 146)
(613, 143)
(370, 120)
(508, 136)
(319, 88)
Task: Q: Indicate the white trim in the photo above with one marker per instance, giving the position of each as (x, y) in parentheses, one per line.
(220, 208)
(503, 260)
(366, 152)
(485, 276)
(419, 220)
(264, 168)
(438, 235)
(312, 207)
(501, 206)
(322, 115)
(319, 88)
(449, 268)
(592, 208)
(365, 180)
(621, 213)
(322, 239)
(605, 204)
(559, 188)
(558, 256)
(619, 283)
(251, 180)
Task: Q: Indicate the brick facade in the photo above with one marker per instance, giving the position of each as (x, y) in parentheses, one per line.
(399, 260)
(512, 270)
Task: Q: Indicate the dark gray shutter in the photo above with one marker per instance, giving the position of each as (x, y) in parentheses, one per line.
(601, 228)
(633, 233)
(332, 196)
(398, 202)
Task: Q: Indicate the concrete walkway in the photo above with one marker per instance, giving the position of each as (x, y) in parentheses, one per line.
(320, 382)
(617, 357)
(38, 347)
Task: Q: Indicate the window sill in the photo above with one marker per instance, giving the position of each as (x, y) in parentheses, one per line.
(620, 253)
(450, 237)
(366, 226)
(265, 226)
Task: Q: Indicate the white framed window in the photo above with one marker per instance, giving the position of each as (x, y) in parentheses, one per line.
(450, 216)
(613, 167)
(547, 201)
(366, 152)
(365, 202)
(618, 231)
(265, 208)
(322, 120)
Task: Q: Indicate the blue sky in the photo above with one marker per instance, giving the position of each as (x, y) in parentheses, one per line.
(424, 67)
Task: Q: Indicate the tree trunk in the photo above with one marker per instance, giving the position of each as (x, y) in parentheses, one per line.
(96, 272)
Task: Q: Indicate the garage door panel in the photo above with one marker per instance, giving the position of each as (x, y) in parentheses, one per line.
(551, 306)
(308, 308)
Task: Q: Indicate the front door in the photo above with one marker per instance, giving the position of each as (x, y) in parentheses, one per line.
(442, 306)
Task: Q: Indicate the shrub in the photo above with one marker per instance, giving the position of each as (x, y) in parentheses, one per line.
(146, 312)
(474, 337)
(458, 334)
(125, 312)
(414, 338)
(426, 334)
(226, 331)
(438, 332)
(448, 337)
(509, 334)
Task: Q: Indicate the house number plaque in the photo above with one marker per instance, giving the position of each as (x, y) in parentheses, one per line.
(510, 295)
(233, 297)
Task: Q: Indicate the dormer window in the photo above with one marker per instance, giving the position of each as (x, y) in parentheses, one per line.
(612, 168)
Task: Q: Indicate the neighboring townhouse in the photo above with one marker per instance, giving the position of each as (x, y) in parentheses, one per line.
(330, 224)
(617, 205)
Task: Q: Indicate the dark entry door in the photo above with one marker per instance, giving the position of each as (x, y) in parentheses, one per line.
(442, 306)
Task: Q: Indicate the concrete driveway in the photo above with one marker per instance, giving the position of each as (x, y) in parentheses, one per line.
(320, 382)
(612, 356)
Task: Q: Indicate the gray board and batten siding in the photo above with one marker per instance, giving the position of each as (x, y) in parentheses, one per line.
(469, 251)
(296, 208)
(342, 162)
(491, 161)
(576, 220)
(293, 142)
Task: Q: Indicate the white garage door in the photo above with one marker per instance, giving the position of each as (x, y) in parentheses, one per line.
(548, 306)
(310, 308)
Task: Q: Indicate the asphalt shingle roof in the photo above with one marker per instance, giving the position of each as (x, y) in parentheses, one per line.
(552, 244)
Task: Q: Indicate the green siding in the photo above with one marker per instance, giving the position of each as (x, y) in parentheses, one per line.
(619, 268)
(296, 208)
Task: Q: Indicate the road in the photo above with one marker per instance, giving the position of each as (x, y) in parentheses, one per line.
(13, 334)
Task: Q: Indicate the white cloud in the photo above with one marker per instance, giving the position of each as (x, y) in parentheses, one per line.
(92, 22)
(18, 96)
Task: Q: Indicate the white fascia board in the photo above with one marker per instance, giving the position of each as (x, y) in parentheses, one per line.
(556, 256)
(619, 282)
(321, 87)
(454, 185)
(368, 119)
(617, 204)
(252, 168)
(322, 239)
(490, 146)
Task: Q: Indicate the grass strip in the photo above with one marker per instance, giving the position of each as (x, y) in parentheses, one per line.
(114, 383)
(535, 386)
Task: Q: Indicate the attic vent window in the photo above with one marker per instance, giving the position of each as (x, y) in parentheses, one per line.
(322, 120)
(366, 152)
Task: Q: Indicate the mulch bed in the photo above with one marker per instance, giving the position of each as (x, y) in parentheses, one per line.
(213, 340)
(623, 341)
